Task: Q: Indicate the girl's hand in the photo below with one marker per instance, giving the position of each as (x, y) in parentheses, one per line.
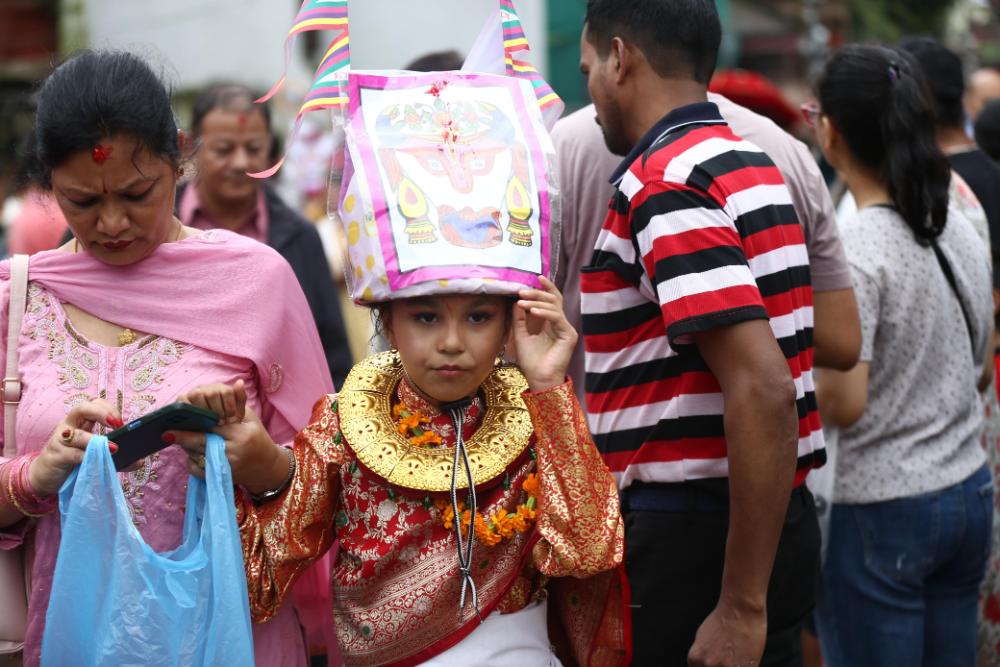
(257, 463)
(543, 337)
(65, 447)
(227, 402)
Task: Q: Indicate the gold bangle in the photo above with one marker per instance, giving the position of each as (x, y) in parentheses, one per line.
(12, 496)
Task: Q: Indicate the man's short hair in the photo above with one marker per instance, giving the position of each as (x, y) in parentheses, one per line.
(680, 38)
(943, 70)
(227, 96)
(988, 130)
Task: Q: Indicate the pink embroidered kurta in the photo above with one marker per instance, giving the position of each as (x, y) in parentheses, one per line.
(62, 368)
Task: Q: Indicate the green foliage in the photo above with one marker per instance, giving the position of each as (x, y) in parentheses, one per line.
(888, 20)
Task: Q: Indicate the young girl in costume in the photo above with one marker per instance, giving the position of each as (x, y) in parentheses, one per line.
(429, 572)
(466, 494)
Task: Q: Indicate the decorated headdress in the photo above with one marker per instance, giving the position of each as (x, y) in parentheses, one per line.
(442, 181)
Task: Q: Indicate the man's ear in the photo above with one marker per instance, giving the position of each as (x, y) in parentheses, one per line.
(829, 138)
(620, 59)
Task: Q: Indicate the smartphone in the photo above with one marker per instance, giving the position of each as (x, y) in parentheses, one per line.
(143, 436)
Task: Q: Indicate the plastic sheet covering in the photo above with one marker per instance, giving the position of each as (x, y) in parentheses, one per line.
(115, 601)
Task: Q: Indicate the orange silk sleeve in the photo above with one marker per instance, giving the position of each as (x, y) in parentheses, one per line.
(580, 521)
(283, 536)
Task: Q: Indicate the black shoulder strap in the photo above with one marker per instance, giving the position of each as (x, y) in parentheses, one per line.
(950, 276)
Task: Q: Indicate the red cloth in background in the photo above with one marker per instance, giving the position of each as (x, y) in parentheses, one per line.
(755, 92)
(38, 226)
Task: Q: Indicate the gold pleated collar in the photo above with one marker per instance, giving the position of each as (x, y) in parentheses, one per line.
(365, 411)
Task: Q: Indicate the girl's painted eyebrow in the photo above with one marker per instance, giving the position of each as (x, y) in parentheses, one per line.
(420, 302)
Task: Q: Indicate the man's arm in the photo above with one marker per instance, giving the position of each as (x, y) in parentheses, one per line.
(842, 396)
(761, 426)
(836, 329)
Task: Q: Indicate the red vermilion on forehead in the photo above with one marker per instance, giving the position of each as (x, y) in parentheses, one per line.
(101, 153)
(242, 121)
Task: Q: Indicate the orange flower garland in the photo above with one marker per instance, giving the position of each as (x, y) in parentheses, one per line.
(501, 524)
(415, 426)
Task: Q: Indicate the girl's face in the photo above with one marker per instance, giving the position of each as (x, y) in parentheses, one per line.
(448, 344)
(118, 200)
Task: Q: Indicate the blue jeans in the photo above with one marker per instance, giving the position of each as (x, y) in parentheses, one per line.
(901, 580)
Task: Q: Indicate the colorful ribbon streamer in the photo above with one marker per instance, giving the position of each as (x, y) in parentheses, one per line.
(514, 38)
(328, 89)
(543, 91)
(313, 15)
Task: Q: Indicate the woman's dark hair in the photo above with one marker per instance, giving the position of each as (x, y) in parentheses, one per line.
(100, 94)
(878, 100)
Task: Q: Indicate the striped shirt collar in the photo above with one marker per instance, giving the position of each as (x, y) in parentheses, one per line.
(699, 113)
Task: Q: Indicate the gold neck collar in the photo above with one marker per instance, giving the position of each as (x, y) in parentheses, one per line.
(365, 411)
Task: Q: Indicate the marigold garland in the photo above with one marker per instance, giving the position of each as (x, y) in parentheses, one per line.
(415, 427)
(502, 524)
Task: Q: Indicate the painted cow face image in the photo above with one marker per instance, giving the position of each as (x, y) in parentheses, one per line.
(456, 170)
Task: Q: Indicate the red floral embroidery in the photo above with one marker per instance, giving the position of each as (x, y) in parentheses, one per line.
(992, 609)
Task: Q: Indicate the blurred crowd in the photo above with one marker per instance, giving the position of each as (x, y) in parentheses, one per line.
(893, 174)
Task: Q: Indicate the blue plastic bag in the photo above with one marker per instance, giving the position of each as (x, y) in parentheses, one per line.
(117, 602)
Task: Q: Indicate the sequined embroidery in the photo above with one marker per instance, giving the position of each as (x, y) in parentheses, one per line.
(76, 360)
(147, 363)
(82, 364)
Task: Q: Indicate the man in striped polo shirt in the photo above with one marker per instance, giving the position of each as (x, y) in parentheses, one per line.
(697, 318)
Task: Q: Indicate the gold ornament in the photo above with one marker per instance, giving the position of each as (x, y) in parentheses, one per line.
(127, 337)
(365, 409)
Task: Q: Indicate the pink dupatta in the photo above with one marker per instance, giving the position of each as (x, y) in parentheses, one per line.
(221, 292)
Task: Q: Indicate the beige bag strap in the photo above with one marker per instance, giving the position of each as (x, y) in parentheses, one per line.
(10, 393)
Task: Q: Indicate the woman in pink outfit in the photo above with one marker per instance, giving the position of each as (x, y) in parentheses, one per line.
(135, 312)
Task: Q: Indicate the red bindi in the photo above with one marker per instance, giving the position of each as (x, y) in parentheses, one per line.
(243, 121)
(100, 154)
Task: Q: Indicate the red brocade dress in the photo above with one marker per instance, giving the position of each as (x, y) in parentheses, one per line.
(396, 579)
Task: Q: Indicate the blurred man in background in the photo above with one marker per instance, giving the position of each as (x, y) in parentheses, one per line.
(984, 86)
(943, 70)
(233, 138)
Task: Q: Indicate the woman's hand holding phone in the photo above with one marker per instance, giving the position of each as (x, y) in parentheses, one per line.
(229, 402)
(257, 463)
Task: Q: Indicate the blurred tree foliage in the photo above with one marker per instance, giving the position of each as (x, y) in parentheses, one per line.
(888, 20)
